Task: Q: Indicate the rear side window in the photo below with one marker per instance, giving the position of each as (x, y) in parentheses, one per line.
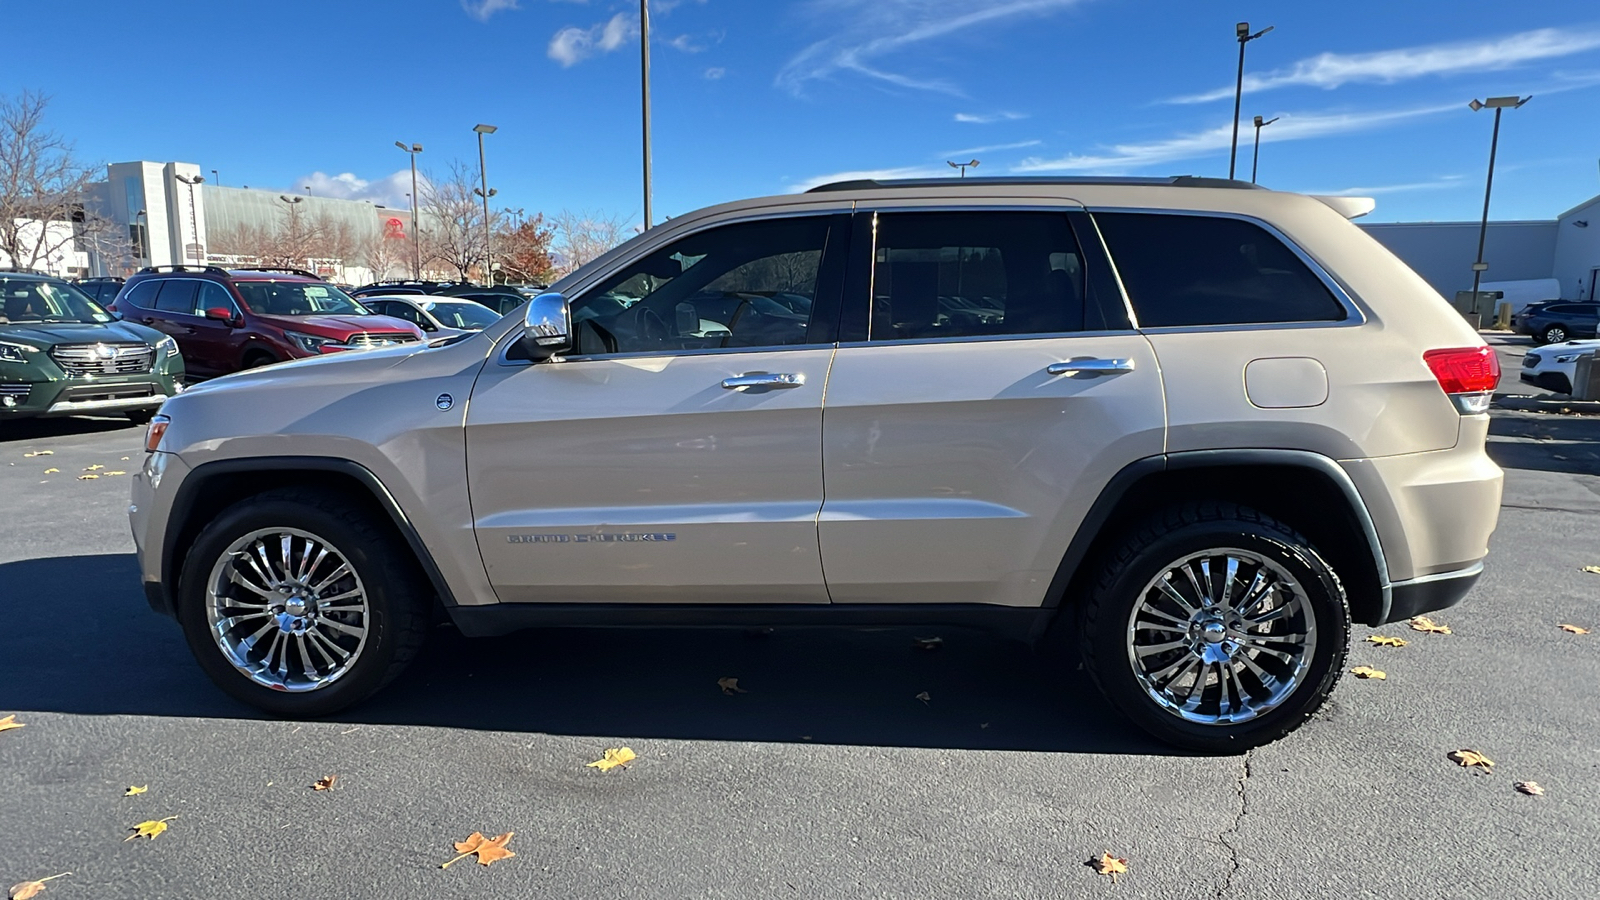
(177, 296)
(1210, 270)
(142, 295)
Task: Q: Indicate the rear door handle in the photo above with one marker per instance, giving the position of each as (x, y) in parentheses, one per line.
(764, 380)
(1091, 367)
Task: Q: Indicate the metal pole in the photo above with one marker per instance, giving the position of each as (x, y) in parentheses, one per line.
(416, 249)
(483, 181)
(1238, 96)
(1255, 157)
(194, 220)
(1483, 228)
(644, 72)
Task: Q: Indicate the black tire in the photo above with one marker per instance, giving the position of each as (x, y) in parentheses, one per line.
(140, 416)
(1157, 546)
(1555, 334)
(398, 594)
(257, 360)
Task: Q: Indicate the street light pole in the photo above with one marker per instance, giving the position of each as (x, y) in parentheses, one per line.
(963, 166)
(294, 217)
(416, 249)
(1256, 156)
(1499, 105)
(485, 193)
(644, 72)
(215, 177)
(194, 218)
(1242, 32)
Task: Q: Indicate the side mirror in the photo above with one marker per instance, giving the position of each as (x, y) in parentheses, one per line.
(547, 326)
(220, 314)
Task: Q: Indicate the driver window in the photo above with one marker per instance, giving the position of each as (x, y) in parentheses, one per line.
(751, 284)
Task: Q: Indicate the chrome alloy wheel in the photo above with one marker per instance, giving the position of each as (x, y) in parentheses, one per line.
(287, 609)
(1221, 637)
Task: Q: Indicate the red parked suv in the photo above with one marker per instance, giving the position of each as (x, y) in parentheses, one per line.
(227, 320)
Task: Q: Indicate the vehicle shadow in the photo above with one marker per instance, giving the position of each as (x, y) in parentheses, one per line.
(1547, 442)
(65, 426)
(80, 639)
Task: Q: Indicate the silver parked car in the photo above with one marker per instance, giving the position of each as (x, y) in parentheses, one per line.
(1200, 426)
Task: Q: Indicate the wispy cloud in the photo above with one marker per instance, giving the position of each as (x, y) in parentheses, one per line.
(991, 148)
(1448, 181)
(483, 9)
(1332, 70)
(869, 32)
(868, 174)
(389, 190)
(715, 72)
(988, 118)
(1122, 157)
(573, 45)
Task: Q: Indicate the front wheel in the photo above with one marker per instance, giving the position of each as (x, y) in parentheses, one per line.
(140, 416)
(298, 602)
(1555, 334)
(1216, 628)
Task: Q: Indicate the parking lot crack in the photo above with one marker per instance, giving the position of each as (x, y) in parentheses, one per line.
(1228, 834)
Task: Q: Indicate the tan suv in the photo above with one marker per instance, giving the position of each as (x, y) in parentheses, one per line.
(1201, 425)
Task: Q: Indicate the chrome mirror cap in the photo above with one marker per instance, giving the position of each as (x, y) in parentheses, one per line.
(547, 324)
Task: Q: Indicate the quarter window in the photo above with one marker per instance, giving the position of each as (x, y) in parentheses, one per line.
(142, 295)
(963, 274)
(1211, 270)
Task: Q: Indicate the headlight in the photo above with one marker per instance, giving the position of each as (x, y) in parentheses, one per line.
(169, 345)
(13, 352)
(310, 343)
(1570, 357)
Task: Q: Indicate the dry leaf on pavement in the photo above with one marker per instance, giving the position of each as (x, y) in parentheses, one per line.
(32, 453)
(109, 474)
(1531, 788)
(924, 697)
(1427, 625)
(87, 477)
(1592, 570)
(94, 468)
(1385, 641)
(1369, 672)
(932, 643)
(151, 829)
(51, 471)
(325, 783)
(730, 686)
(1468, 759)
(1110, 865)
(614, 758)
(1573, 629)
(135, 790)
(487, 849)
(30, 889)
(10, 722)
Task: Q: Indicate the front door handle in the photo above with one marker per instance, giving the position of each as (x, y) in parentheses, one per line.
(764, 380)
(1091, 367)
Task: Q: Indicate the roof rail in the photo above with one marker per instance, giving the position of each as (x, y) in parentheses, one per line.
(209, 270)
(867, 184)
(291, 270)
(20, 270)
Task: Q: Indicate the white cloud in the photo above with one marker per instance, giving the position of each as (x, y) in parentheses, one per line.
(989, 118)
(1122, 157)
(869, 174)
(1449, 181)
(715, 72)
(571, 46)
(483, 9)
(991, 148)
(1332, 70)
(869, 31)
(389, 190)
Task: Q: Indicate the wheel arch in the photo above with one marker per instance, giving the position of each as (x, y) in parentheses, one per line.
(215, 486)
(1277, 482)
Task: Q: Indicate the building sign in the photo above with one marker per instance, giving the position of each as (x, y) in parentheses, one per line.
(394, 227)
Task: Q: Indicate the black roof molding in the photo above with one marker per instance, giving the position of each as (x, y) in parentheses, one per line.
(291, 270)
(868, 184)
(209, 270)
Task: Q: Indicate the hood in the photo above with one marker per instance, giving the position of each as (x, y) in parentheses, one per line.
(46, 335)
(341, 327)
(333, 366)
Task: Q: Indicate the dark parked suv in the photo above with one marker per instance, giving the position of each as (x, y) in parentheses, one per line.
(227, 320)
(1552, 323)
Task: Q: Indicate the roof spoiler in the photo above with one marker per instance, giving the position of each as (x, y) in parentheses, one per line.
(1349, 207)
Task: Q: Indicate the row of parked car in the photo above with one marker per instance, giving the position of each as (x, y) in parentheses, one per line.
(108, 345)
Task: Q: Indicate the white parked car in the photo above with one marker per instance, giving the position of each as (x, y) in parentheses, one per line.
(1551, 366)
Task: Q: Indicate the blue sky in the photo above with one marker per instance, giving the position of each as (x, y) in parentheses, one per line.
(767, 96)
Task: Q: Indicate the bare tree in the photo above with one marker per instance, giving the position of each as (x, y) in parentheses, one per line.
(106, 241)
(454, 236)
(42, 184)
(384, 252)
(581, 236)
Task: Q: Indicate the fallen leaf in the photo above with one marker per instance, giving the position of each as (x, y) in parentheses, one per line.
(1468, 759)
(1369, 672)
(124, 459)
(1573, 629)
(1427, 625)
(109, 474)
(932, 643)
(30, 889)
(487, 849)
(1383, 641)
(1592, 570)
(150, 829)
(612, 759)
(924, 697)
(32, 453)
(10, 722)
(730, 686)
(1531, 788)
(1110, 865)
(51, 471)
(135, 790)
(324, 783)
(94, 468)
(87, 477)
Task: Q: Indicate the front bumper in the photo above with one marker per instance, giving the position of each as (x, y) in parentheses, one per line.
(1550, 381)
(87, 396)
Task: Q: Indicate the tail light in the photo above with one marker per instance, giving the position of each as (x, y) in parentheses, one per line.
(1468, 375)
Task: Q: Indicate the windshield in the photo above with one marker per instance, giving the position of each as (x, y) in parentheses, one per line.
(27, 300)
(298, 298)
(462, 314)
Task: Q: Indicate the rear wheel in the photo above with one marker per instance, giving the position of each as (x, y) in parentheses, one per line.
(1555, 334)
(297, 602)
(1216, 628)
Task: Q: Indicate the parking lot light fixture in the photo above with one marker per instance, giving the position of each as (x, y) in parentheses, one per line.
(963, 166)
(1242, 33)
(1255, 157)
(1499, 105)
(416, 249)
(484, 192)
(194, 217)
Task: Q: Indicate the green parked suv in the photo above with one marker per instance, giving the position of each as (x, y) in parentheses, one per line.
(62, 354)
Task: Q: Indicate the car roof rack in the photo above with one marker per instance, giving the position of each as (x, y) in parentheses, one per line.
(289, 270)
(209, 270)
(868, 184)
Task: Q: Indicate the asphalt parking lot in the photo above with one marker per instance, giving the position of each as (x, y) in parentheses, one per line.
(829, 778)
